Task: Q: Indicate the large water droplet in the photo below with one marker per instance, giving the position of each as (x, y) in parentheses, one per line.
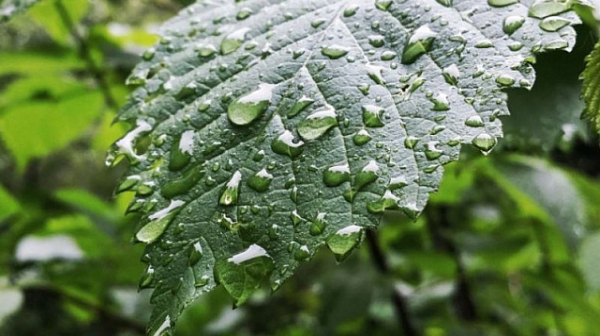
(315, 125)
(502, 3)
(451, 74)
(388, 201)
(183, 184)
(336, 175)
(196, 253)
(554, 23)
(344, 241)
(285, 144)
(158, 223)
(544, 8)
(318, 225)
(335, 51)
(251, 106)
(243, 273)
(300, 105)
(484, 142)
(419, 43)
(260, 181)
(512, 23)
(361, 137)
(372, 116)
(181, 151)
(367, 175)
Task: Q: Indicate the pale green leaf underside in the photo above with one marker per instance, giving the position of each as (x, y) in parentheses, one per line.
(591, 88)
(9, 8)
(345, 56)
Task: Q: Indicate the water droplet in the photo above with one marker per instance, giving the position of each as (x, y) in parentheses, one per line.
(512, 23)
(318, 225)
(397, 182)
(149, 54)
(388, 55)
(335, 51)
(344, 241)
(372, 116)
(388, 201)
(181, 151)
(418, 44)
(446, 3)
(440, 102)
(377, 41)
(317, 124)
(233, 41)
(251, 106)
(544, 8)
(554, 23)
(502, 3)
(158, 223)
(243, 273)
(484, 44)
(300, 105)
(410, 142)
(336, 175)
(243, 14)
(383, 5)
(432, 152)
(505, 80)
(187, 181)
(350, 10)
(451, 74)
(474, 121)
(205, 50)
(484, 142)
(147, 278)
(285, 145)
(163, 329)
(367, 175)
(361, 137)
(195, 253)
(296, 218)
(232, 189)
(260, 181)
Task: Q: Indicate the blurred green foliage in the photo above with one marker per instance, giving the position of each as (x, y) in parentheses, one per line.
(508, 246)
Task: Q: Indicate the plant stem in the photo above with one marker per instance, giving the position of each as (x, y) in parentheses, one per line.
(398, 299)
(437, 222)
(86, 55)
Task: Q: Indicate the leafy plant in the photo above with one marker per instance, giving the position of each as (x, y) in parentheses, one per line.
(264, 131)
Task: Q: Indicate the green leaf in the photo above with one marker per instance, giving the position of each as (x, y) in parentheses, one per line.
(39, 119)
(549, 114)
(591, 88)
(8, 205)
(266, 129)
(558, 203)
(9, 8)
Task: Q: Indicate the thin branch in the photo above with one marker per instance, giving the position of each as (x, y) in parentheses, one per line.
(86, 55)
(398, 299)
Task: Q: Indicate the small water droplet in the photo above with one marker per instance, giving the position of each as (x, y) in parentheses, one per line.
(232, 189)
